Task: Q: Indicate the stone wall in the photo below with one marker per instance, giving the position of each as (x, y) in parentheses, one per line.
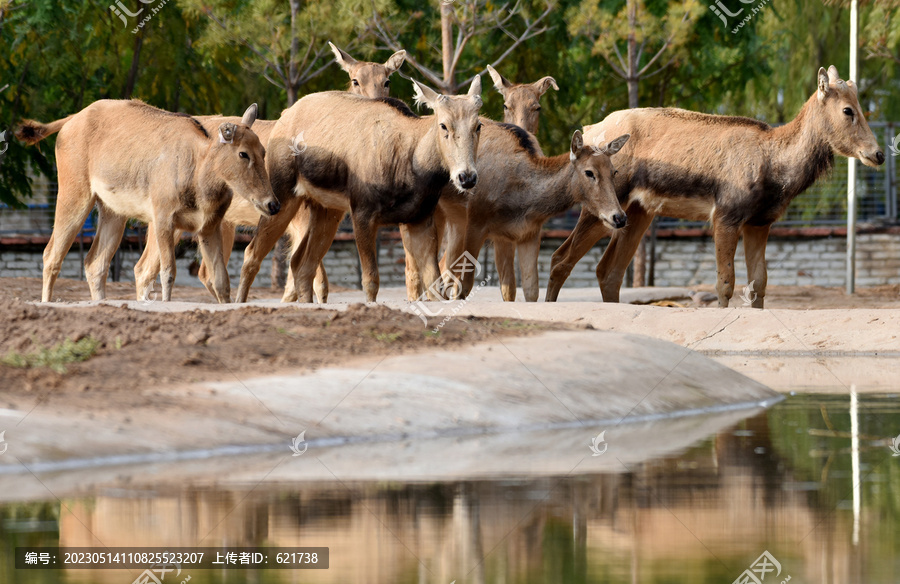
(680, 261)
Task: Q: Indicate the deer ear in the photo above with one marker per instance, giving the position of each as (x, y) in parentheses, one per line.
(833, 74)
(577, 145)
(226, 133)
(823, 83)
(475, 90)
(395, 62)
(616, 144)
(424, 95)
(342, 58)
(501, 83)
(250, 116)
(542, 85)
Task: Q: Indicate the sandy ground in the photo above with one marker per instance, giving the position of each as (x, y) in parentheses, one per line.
(794, 297)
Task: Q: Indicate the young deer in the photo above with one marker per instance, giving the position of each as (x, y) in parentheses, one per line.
(738, 173)
(374, 158)
(366, 79)
(519, 190)
(135, 161)
(521, 107)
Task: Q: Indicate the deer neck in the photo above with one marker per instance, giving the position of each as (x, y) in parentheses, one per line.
(555, 185)
(207, 181)
(800, 153)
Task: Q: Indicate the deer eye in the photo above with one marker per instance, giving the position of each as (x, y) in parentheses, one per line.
(537, 109)
(848, 111)
(589, 174)
(504, 107)
(615, 172)
(387, 83)
(244, 155)
(443, 127)
(355, 83)
(478, 127)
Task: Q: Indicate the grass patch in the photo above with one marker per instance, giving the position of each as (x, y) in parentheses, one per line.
(55, 357)
(386, 337)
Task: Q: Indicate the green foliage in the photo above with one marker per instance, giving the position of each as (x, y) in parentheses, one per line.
(55, 357)
(61, 55)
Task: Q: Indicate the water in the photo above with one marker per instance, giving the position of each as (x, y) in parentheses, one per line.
(780, 482)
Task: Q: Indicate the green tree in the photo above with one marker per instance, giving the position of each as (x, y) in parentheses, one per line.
(459, 23)
(637, 40)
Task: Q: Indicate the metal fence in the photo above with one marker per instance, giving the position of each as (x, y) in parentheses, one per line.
(825, 203)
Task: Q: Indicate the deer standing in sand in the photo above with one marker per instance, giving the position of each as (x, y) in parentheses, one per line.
(367, 79)
(133, 160)
(374, 158)
(738, 173)
(520, 189)
(521, 107)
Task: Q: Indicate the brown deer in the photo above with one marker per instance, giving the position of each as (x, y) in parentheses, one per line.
(136, 161)
(521, 107)
(519, 190)
(738, 173)
(374, 158)
(367, 79)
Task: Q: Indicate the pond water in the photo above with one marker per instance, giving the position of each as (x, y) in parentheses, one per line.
(788, 492)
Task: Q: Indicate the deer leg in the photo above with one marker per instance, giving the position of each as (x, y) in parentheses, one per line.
(440, 228)
(528, 266)
(726, 239)
(422, 247)
(165, 241)
(414, 282)
(269, 230)
(298, 230)
(227, 244)
(110, 228)
(320, 284)
(622, 246)
(587, 232)
(306, 264)
(465, 269)
(366, 231)
(211, 251)
(456, 246)
(755, 253)
(505, 259)
(73, 205)
(147, 267)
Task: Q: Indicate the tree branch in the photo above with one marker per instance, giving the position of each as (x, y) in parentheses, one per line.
(254, 50)
(664, 47)
(432, 77)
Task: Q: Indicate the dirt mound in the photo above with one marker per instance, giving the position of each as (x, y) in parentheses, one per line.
(136, 349)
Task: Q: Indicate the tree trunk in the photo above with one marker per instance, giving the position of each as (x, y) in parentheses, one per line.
(135, 63)
(279, 261)
(447, 47)
(640, 256)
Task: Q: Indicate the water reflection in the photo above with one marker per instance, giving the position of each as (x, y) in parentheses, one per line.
(780, 481)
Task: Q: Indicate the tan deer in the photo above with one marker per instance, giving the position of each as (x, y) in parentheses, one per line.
(367, 79)
(136, 161)
(738, 173)
(519, 190)
(374, 158)
(521, 107)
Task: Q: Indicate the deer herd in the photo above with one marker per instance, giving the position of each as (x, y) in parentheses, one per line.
(450, 181)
